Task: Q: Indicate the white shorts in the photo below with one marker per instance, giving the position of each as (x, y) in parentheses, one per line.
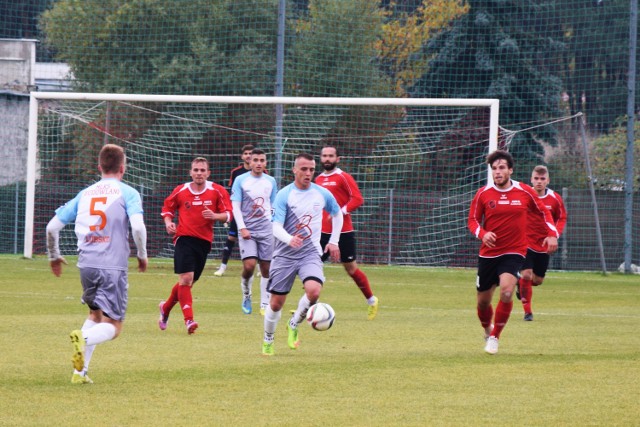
(283, 272)
(260, 247)
(105, 290)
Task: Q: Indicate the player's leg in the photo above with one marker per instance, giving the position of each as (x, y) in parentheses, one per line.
(166, 306)
(264, 280)
(310, 271)
(507, 270)
(540, 265)
(249, 251)
(246, 282)
(282, 276)
(265, 253)
(348, 258)
(105, 293)
(525, 282)
(232, 238)
(189, 262)
(486, 282)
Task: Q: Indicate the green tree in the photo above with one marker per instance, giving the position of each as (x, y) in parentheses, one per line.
(594, 68)
(334, 49)
(609, 157)
(197, 47)
(404, 33)
(499, 50)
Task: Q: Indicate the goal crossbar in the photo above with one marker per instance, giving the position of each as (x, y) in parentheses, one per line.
(36, 97)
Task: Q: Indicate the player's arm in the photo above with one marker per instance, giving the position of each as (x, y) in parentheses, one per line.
(53, 249)
(333, 209)
(224, 205)
(139, 231)
(551, 241)
(237, 214)
(355, 196)
(560, 215)
(168, 212)
(279, 216)
(474, 222)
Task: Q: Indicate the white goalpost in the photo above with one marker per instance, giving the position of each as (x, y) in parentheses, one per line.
(417, 161)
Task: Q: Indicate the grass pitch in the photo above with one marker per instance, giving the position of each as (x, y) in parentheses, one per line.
(420, 362)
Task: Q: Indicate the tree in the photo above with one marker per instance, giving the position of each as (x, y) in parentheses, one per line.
(197, 47)
(406, 32)
(498, 50)
(609, 154)
(333, 50)
(595, 66)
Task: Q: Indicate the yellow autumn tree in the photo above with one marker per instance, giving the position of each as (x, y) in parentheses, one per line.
(404, 34)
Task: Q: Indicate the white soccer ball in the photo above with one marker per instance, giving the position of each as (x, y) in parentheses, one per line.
(321, 316)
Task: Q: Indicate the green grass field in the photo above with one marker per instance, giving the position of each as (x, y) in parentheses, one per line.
(420, 362)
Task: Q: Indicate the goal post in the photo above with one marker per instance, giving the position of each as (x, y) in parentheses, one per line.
(417, 161)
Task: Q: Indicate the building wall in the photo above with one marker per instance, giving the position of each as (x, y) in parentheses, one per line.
(14, 125)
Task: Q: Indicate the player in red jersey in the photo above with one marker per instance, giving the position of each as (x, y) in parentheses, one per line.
(537, 260)
(346, 191)
(498, 217)
(199, 204)
(232, 234)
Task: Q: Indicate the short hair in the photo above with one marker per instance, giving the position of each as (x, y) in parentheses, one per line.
(331, 146)
(306, 156)
(200, 159)
(110, 159)
(257, 151)
(500, 155)
(247, 147)
(541, 170)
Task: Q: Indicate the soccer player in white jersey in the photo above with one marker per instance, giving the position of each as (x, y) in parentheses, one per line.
(297, 225)
(252, 196)
(102, 213)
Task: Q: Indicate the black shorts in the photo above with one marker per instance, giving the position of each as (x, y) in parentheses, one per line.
(190, 255)
(490, 269)
(537, 261)
(347, 246)
(233, 228)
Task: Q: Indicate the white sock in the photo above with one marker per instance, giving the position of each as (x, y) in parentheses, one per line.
(371, 300)
(264, 295)
(99, 333)
(271, 319)
(223, 267)
(88, 349)
(246, 285)
(301, 311)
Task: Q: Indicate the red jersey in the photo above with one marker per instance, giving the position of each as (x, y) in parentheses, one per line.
(504, 212)
(347, 194)
(537, 229)
(189, 206)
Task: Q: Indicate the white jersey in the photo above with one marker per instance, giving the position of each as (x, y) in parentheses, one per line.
(300, 213)
(256, 195)
(101, 213)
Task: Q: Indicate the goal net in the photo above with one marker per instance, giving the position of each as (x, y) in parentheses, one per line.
(418, 162)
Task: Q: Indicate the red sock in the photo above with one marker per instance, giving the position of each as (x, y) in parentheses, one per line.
(503, 310)
(186, 301)
(526, 292)
(363, 283)
(171, 301)
(485, 316)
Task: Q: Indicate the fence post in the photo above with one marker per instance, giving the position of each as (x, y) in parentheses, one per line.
(390, 238)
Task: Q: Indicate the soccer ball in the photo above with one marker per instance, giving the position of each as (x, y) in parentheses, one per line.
(321, 316)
